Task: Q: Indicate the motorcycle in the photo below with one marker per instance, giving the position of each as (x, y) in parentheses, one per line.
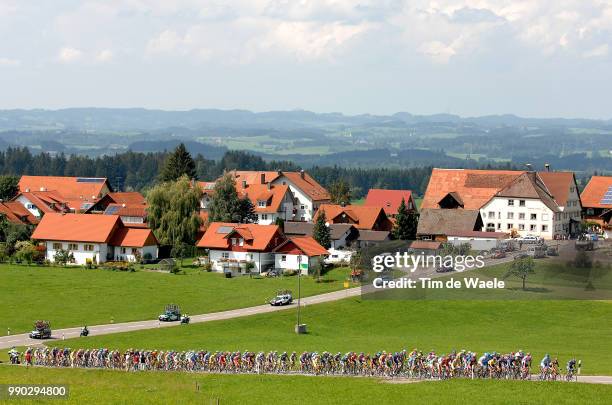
(84, 332)
(185, 319)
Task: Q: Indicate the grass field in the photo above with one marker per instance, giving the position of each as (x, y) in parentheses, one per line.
(101, 386)
(561, 328)
(76, 296)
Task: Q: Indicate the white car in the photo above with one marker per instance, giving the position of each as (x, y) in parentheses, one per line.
(530, 239)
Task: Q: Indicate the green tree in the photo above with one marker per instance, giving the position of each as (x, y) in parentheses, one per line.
(8, 187)
(521, 268)
(11, 233)
(226, 206)
(321, 231)
(173, 211)
(406, 221)
(340, 192)
(178, 163)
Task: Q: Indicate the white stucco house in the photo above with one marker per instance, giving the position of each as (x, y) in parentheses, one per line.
(99, 238)
(301, 253)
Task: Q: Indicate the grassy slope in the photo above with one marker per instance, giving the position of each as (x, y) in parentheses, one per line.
(96, 386)
(561, 328)
(76, 296)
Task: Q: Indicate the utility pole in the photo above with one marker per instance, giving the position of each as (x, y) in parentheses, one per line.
(298, 328)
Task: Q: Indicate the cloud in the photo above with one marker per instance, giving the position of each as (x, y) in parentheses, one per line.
(69, 55)
(599, 51)
(8, 62)
(105, 55)
(167, 41)
(437, 51)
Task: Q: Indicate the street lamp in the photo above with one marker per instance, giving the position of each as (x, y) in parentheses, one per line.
(297, 329)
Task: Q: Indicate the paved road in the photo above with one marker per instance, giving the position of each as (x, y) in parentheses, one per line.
(59, 334)
(96, 330)
(587, 379)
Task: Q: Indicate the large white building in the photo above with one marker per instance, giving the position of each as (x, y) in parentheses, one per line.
(546, 204)
(98, 238)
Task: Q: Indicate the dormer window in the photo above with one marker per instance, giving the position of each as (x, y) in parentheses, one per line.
(261, 203)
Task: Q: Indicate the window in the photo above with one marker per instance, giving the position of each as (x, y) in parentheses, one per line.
(88, 248)
(30, 206)
(533, 217)
(509, 226)
(521, 203)
(521, 227)
(225, 255)
(283, 258)
(57, 246)
(73, 246)
(511, 203)
(134, 251)
(510, 215)
(572, 189)
(264, 216)
(521, 215)
(490, 227)
(261, 203)
(544, 228)
(302, 207)
(532, 227)
(123, 250)
(498, 226)
(249, 256)
(234, 241)
(240, 242)
(590, 211)
(491, 214)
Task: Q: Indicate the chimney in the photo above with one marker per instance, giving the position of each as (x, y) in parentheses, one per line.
(547, 166)
(302, 173)
(244, 184)
(279, 171)
(269, 186)
(529, 167)
(262, 178)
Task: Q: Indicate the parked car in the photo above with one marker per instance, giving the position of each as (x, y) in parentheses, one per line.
(281, 299)
(42, 330)
(172, 313)
(530, 239)
(500, 254)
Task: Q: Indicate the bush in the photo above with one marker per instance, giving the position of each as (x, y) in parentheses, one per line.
(207, 267)
(290, 272)
(63, 257)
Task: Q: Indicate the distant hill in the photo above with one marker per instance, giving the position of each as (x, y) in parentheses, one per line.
(195, 148)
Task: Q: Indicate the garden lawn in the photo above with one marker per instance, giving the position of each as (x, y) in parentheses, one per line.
(561, 328)
(111, 387)
(68, 296)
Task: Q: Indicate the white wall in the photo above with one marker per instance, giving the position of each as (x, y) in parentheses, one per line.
(129, 256)
(80, 255)
(132, 220)
(259, 259)
(302, 214)
(291, 262)
(476, 243)
(572, 210)
(29, 206)
(341, 242)
(496, 212)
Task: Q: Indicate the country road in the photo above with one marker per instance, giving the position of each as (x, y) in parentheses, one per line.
(97, 330)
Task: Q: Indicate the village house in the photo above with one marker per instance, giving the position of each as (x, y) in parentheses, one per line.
(390, 200)
(342, 236)
(597, 202)
(544, 204)
(301, 253)
(241, 247)
(42, 194)
(17, 213)
(361, 217)
(130, 206)
(438, 224)
(270, 202)
(98, 238)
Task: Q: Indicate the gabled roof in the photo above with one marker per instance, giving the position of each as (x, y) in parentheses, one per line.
(126, 211)
(17, 213)
(597, 193)
(273, 195)
(261, 236)
(529, 185)
(133, 237)
(441, 221)
(305, 245)
(473, 187)
(71, 188)
(364, 217)
(308, 185)
(558, 184)
(306, 228)
(76, 227)
(129, 198)
(46, 201)
(390, 200)
(372, 236)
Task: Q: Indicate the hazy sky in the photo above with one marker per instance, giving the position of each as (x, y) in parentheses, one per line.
(469, 57)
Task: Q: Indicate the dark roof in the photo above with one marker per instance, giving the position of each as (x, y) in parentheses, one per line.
(306, 228)
(447, 221)
(529, 185)
(373, 236)
(481, 234)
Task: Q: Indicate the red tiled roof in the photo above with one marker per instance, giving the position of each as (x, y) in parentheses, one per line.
(71, 188)
(76, 227)
(558, 184)
(126, 211)
(260, 236)
(308, 185)
(127, 197)
(46, 201)
(15, 212)
(594, 192)
(133, 237)
(390, 200)
(363, 217)
(305, 245)
(260, 192)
